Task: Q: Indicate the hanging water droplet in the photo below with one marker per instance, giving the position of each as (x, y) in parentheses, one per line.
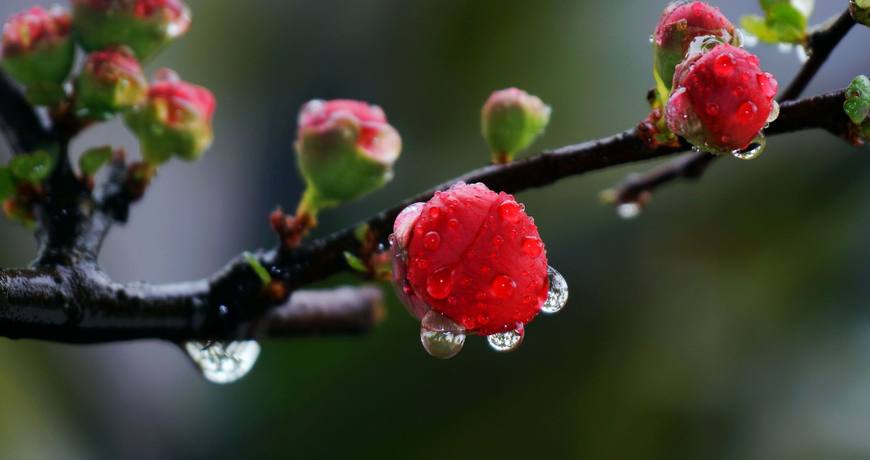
(441, 337)
(755, 149)
(506, 341)
(223, 362)
(628, 210)
(557, 296)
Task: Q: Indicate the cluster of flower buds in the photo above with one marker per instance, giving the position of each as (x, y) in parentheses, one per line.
(471, 261)
(511, 120)
(38, 52)
(346, 149)
(169, 116)
(145, 26)
(714, 94)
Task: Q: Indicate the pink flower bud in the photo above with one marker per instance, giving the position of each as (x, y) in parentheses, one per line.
(346, 149)
(111, 80)
(175, 120)
(38, 51)
(143, 25)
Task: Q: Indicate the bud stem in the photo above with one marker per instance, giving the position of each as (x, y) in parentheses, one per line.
(501, 158)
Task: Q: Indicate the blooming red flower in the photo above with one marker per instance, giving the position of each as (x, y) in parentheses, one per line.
(111, 63)
(721, 99)
(35, 27)
(472, 255)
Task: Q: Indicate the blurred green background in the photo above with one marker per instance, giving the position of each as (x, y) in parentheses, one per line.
(728, 321)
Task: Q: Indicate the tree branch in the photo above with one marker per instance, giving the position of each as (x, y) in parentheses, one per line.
(637, 188)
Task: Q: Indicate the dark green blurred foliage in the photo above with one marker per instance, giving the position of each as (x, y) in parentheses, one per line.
(728, 321)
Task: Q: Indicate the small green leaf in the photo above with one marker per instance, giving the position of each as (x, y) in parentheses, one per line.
(259, 269)
(7, 183)
(857, 104)
(784, 21)
(355, 262)
(93, 159)
(32, 167)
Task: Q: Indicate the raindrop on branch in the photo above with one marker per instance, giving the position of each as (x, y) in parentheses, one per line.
(223, 362)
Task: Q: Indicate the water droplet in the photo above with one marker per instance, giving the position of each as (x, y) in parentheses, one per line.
(502, 286)
(440, 283)
(441, 337)
(507, 341)
(485, 269)
(755, 149)
(774, 112)
(532, 246)
(421, 263)
(497, 240)
(453, 224)
(712, 109)
(557, 295)
(628, 210)
(431, 241)
(434, 212)
(723, 66)
(510, 211)
(746, 111)
(223, 362)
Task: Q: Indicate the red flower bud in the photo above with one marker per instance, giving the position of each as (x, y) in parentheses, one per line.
(111, 80)
(346, 149)
(175, 120)
(143, 25)
(38, 51)
(472, 256)
(680, 24)
(721, 99)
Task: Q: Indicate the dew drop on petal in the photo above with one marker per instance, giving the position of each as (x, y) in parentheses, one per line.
(723, 66)
(510, 211)
(223, 362)
(506, 341)
(753, 151)
(502, 287)
(557, 296)
(746, 111)
(453, 224)
(712, 109)
(532, 246)
(497, 240)
(440, 283)
(431, 241)
(441, 337)
(434, 212)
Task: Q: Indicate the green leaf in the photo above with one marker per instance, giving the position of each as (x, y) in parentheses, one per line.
(355, 262)
(259, 269)
(7, 183)
(32, 167)
(93, 159)
(784, 21)
(857, 104)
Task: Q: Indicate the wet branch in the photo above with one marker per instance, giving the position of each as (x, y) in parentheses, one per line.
(637, 188)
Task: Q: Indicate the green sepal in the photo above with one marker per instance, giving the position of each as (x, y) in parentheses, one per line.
(511, 128)
(7, 183)
(335, 169)
(159, 141)
(93, 159)
(42, 71)
(96, 30)
(355, 262)
(32, 167)
(102, 100)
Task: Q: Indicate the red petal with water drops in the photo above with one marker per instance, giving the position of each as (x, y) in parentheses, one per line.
(477, 258)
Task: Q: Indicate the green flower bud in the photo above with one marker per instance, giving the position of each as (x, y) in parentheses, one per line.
(860, 10)
(175, 120)
(145, 26)
(111, 80)
(39, 53)
(346, 149)
(511, 120)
